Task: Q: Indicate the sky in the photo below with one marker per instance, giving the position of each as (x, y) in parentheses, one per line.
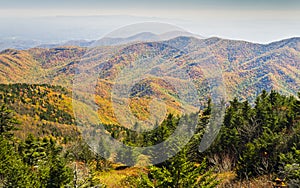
(260, 21)
(118, 4)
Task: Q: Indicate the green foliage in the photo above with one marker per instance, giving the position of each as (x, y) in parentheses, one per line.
(253, 138)
(127, 156)
(80, 151)
(291, 166)
(45, 156)
(45, 101)
(7, 121)
(179, 172)
(32, 163)
(13, 172)
(146, 138)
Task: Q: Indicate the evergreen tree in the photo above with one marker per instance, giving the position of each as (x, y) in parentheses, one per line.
(7, 121)
(179, 173)
(13, 172)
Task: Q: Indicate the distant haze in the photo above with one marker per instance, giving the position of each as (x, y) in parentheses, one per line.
(261, 21)
(153, 27)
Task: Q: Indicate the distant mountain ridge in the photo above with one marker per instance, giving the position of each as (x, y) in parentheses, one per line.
(143, 37)
(113, 41)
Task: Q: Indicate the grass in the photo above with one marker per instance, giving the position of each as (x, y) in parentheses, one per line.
(228, 179)
(115, 178)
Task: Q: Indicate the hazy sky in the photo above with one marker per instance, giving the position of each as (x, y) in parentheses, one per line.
(257, 20)
(117, 4)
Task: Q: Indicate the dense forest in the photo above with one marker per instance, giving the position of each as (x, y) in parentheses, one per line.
(260, 140)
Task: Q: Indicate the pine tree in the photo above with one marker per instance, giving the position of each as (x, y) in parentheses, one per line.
(291, 167)
(7, 121)
(179, 172)
(13, 173)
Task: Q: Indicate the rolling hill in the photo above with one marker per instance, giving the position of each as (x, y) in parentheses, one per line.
(246, 68)
(43, 110)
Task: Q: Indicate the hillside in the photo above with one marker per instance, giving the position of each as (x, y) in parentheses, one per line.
(255, 146)
(43, 110)
(247, 69)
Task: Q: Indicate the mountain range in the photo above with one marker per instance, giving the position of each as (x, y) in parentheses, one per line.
(21, 44)
(245, 68)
